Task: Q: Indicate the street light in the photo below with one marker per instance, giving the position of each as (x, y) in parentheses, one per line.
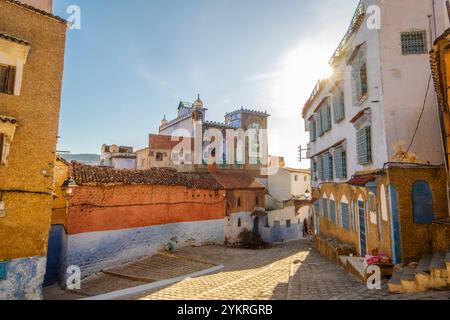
(307, 194)
(67, 188)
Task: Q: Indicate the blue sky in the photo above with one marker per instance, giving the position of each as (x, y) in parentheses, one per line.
(133, 61)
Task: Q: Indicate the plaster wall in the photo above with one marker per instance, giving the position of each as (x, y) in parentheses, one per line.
(96, 251)
(24, 281)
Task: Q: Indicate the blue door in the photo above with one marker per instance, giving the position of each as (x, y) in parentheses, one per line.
(54, 255)
(362, 228)
(395, 225)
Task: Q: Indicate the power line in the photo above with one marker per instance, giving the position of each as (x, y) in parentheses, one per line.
(419, 120)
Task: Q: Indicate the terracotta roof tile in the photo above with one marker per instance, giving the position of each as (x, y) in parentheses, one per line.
(362, 180)
(13, 39)
(162, 142)
(6, 119)
(237, 180)
(86, 175)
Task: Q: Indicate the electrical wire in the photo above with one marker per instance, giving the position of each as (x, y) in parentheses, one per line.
(420, 118)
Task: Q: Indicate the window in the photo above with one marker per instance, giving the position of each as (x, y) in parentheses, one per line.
(333, 211)
(312, 130)
(325, 207)
(328, 167)
(239, 223)
(317, 207)
(422, 198)
(320, 168)
(414, 42)
(238, 203)
(345, 212)
(319, 124)
(314, 169)
(305, 178)
(288, 223)
(159, 156)
(364, 145)
(340, 163)
(7, 79)
(257, 201)
(325, 112)
(296, 178)
(338, 103)
(359, 72)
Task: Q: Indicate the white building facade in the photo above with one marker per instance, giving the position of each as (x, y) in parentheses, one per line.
(369, 116)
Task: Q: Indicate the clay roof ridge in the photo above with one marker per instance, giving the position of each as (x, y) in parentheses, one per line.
(14, 39)
(36, 10)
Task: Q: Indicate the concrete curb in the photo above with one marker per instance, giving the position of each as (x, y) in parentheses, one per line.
(154, 285)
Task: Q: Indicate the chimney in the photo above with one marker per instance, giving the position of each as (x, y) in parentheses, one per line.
(46, 5)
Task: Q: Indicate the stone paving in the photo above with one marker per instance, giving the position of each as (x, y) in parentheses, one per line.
(292, 271)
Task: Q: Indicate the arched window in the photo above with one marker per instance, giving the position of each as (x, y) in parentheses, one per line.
(422, 201)
(239, 222)
(159, 156)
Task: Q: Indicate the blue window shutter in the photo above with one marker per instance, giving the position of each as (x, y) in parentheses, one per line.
(330, 167)
(328, 111)
(340, 163)
(345, 213)
(363, 145)
(333, 211)
(319, 123)
(325, 207)
(423, 207)
(338, 103)
(312, 131)
(325, 167)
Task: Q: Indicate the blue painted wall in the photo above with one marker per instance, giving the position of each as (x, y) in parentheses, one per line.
(24, 279)
(95, 251)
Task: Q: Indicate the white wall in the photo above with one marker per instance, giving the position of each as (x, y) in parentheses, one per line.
(396, 90)
(232, 229)
(280, 185)
(120, 163)
(405, 80)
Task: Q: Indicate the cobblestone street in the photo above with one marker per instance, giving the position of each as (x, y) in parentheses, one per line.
(292, 271)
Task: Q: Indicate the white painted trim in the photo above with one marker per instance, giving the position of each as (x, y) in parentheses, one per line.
(154, 285)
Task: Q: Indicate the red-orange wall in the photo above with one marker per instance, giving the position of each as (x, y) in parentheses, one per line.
(106, 208)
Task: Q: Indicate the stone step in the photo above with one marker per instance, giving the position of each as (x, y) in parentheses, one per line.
(423, 273)
(395, 283)
(447, 262)
(438, 268)
(408, 280)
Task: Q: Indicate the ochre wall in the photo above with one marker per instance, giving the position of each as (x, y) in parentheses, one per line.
(25, 228)
(106, 208)
(333, 229)
(417, 238)
(59, 211)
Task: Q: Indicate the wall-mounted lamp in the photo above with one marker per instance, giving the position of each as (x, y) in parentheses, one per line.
(67, 188)
(307, 194)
